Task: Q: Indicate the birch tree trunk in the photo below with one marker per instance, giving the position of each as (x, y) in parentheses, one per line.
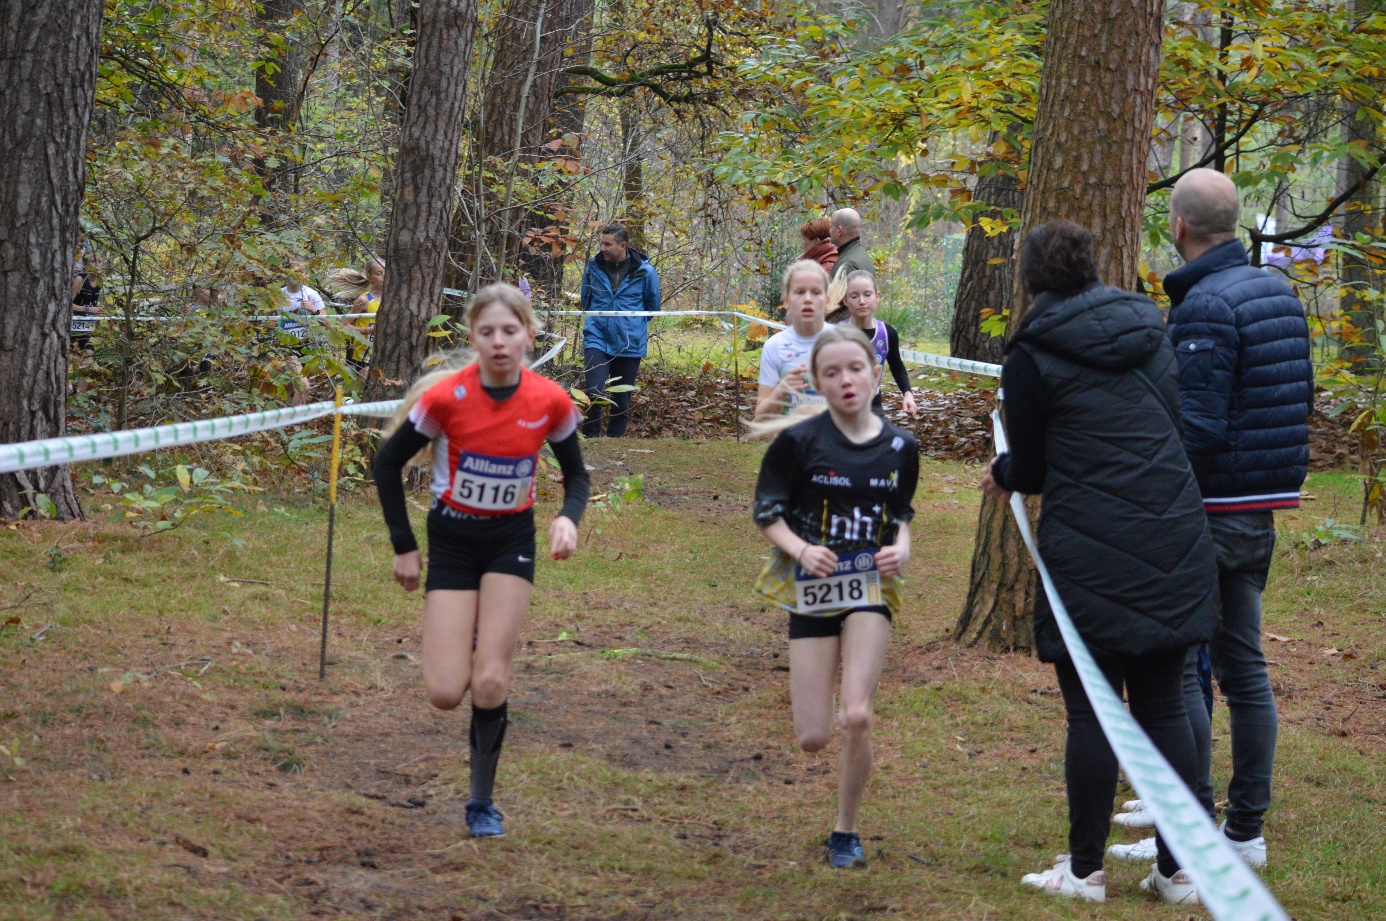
(48, 57)
(416, 249)
(1088, 164)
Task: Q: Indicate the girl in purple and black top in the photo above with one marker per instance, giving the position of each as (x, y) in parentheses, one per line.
(861, 300)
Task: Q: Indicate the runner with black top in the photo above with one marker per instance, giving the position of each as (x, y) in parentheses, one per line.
(861, 300)
(487, 423)
(834, 499)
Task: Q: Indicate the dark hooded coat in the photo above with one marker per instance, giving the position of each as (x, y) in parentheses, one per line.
(1122, 527)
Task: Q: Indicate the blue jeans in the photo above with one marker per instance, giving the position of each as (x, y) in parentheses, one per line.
(1245, 545)
(598, 369)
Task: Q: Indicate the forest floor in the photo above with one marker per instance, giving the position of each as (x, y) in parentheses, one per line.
(181, 759)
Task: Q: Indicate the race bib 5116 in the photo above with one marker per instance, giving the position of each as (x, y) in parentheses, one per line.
(493, 484)
(854, 583)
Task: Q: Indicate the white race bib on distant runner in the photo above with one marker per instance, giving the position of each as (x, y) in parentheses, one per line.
(492, 484)
(83, 325)
(855, 583)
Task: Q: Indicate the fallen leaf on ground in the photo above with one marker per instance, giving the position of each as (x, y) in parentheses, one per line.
(189, 846)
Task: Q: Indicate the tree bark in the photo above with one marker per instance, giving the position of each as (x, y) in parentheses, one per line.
(508, 133)
(984, 284)
(426, 169)
(634, 206)
(278, 84)
(48, 58)
(550, 222)
(1101, 186)
(1361, 214)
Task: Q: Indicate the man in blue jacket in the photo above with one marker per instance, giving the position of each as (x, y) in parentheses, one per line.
(1246, 387)
(617, 279)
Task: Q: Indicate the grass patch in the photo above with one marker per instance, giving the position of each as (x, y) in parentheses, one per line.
(651, 772)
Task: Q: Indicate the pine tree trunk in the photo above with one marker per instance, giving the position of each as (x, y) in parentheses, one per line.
(633, 204)
(985, 285)
(48, 57)
(426, 170)
(525, 71)
(1090, 169)
(550, 222)
(278, 84)
(1361, 214)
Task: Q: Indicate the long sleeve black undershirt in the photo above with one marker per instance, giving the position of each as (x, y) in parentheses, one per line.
(1022, 468)
(893, 360)
(407, 441)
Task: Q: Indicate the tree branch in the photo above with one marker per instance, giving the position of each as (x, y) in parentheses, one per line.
(700, 65)
(1318, 220)
(1212, 154)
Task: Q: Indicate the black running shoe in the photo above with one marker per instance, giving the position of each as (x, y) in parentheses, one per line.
(844, 850)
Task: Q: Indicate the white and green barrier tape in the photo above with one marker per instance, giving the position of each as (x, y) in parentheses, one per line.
(947, 363)
(1227, 887)
(73, 449)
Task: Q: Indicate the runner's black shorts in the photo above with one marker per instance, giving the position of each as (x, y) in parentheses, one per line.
(808, 627)
(463, 548)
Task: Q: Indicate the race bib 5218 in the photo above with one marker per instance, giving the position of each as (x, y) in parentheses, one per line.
(854, 583)
(493, 484)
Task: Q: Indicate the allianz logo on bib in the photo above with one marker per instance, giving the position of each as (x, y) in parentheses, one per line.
(495, 466)
(860, 562)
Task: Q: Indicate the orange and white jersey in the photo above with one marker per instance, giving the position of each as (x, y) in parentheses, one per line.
(485, 451)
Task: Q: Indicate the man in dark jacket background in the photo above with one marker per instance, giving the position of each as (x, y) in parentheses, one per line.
(845, 231)
(1246, 387)
(617, 278)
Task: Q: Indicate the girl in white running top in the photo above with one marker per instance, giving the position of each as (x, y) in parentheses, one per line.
(784, 378)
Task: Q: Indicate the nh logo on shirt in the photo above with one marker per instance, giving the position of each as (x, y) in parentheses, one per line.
(859, 527)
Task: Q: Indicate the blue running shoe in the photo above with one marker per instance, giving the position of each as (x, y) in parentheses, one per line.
(844, 850)
(484, 820)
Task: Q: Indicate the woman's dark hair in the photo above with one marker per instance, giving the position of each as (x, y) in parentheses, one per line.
(1057, 256)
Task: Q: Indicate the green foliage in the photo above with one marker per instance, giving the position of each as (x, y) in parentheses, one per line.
(1329, 531)
(156, 508)
(625, 490)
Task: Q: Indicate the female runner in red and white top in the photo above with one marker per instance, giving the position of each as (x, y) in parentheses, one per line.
(486, 423)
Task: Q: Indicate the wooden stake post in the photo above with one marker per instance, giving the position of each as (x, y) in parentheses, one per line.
(331, 528)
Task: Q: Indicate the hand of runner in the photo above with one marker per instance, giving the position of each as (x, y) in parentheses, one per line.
(911, 408)
(818, 560)
(407, 568)
(891, 560)
(562, 538)
(797, 379)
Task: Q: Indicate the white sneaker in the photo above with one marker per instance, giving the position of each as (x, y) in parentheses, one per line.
(1172, 890)
(1138, 818)
(1140, 852)
(1253, 851)
(1062, 881)
(1132, 805)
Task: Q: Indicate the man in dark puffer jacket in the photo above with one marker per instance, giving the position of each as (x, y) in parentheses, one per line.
(1246, 386)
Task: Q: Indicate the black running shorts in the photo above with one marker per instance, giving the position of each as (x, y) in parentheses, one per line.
(806, 627)
(462, 548)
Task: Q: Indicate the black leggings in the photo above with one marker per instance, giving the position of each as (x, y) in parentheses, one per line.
(599, 368)
(1155, 694)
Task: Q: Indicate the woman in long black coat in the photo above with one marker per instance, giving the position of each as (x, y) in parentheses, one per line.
(1091, 405)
